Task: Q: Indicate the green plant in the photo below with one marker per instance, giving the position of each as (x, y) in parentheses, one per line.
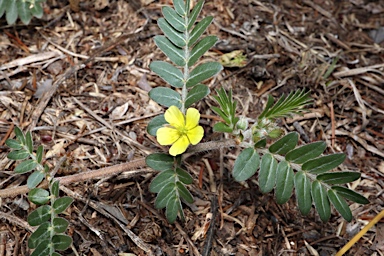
(25, 9)
(282, 166)
(48, 237)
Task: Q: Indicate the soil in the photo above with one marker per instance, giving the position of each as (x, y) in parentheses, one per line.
(78, 79)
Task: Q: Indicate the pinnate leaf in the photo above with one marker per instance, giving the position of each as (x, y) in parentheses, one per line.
(305, 153)
(168, 73)
(285, 144)
(165, 96)
(246, 164)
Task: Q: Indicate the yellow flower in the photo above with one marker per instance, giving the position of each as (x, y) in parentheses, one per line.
(181, 131)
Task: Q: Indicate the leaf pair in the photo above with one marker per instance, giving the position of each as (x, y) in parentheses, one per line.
(170, 185)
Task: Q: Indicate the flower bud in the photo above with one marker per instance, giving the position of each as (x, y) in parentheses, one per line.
(242, 124)
(275, 133)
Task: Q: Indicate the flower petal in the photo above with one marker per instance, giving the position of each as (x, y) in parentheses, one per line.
(179, 146)
(174, 117)
(167, 135)
(192, 117)
(195, 135)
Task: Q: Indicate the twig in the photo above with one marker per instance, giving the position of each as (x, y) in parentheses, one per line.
(211, 229)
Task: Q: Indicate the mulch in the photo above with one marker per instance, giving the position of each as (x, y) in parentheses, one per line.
(79, 81)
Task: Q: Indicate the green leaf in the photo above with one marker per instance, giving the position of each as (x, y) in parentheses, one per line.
(267, 175)
(38, 196)
(174, 53)
(246, 164)
(320, 198)
(3, 6)
(285, 144)
(160, 161)
(26, 166)
(61, 242)
(196, 94)
(177, 38)
(200, 48)
(284, 182)
(324, 163)
(56, 254)
(303, 192)
(61, 204)
(44, 248)
(18, 154)
(40, 234)
(195, 13)
(34, 179)
(60, 225)
(184, 193)
(19, 134)
(260, 144)
(184, 176)
(14, 144)
(307, 152)
(24, 12)
(340, 205)
(161, 180)
(199, 29)
(221, 127)
(39, 216)
(173, 208)
(29, 142)
(173, 18)
(203, 72)
(156, 123)
(338, 177)
(179, 7)
(287, 106)
(168, 73)
(11, 12)
(55, 188)
(164, 195)
(165, 96)
(39, 153)
(222, 114)
(37, 10)
(350, 195)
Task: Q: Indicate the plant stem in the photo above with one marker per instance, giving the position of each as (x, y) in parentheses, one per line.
(184, 91)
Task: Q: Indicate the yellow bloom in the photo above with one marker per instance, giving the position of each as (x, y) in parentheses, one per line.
(181, 131)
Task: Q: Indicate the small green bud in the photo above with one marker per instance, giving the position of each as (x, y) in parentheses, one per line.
(275, 133)
(242, 124)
